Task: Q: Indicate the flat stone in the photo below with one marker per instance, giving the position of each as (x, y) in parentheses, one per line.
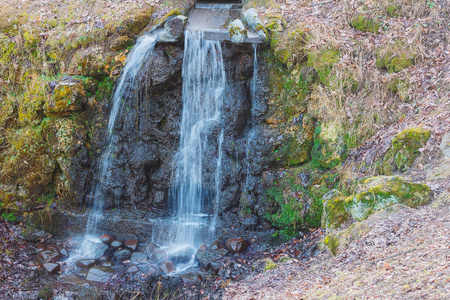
(122, 254)
(99, 274)
(132, 244)
(138, 257)
(52, 268)
(49, 254)
(167, 267)
(85, 263)
(116, 244)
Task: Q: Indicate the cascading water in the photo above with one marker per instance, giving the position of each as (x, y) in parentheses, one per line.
(126, 88)
(203, 87)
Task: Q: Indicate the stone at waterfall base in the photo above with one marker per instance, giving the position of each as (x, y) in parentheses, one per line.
(167, 267)
(236, 245)
(99, 274)
(85, 263)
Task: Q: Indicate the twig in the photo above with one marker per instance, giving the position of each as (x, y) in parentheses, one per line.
(320, 3)
(404, 252)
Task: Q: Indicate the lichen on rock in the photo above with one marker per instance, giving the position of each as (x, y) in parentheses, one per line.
(406, 145)
(68, 97)
(237, 31)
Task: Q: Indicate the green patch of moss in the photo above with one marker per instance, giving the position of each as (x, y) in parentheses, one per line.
(329, 148)
(393, 10)
(270, 265)
(406, 145)
(400, 87)
(395, 58)
(377, 193)
(332, 243)
(289, 50)
(67, 98)
(334, 213)
(322, 61)
(363, 23)
(138, 21)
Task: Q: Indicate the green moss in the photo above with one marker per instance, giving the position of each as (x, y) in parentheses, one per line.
(332, 243)
(393, 10)
(173, 13)
(67, 98)
(334, 213)
(396, 57)
(322, 61)
(269, 265)
(400, 87)
(377, 193)
(406, 145)
(329, 148)
(138, 21)
(363, 23)
(289, 50)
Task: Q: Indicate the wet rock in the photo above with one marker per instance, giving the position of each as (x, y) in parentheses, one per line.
(250, 18)
(133, 269)
(107, 263)
(214, 267)
(167, 267)
(150, 248)
(138, 257)
(237, 31)
(97, 249)
(116, 244)
(173, 29)
(236, 245)
(106, 239)
(159, 256)
(85, 263)
(132, 244)
(216, 245)
(182, 255)
(122, 254)
(99, 274)
(52, 268)
(49, 254)
(64, 252)
(149, 269)
(207, 257)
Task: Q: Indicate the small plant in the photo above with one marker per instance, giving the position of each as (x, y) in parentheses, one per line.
(9, 217)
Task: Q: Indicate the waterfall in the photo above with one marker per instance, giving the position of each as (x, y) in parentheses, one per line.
(203, 86)
(125, 88)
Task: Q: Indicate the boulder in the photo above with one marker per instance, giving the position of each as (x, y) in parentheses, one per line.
(138, 257)
(206, 257)
(334, 213)
(85, 263)
(173, 29)
(132, 244)
(132, 269)
(251, 20)
(406, 145)
(99, 274)
(182, 255)
(167, 267)
(106, 239)
(122, 254)
(236, 245)
(159, 256)
(237, 31)
(216, 245)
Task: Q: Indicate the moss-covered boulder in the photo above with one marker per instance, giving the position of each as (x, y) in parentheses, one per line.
(377, 193)
(136, 22)
(121, 43)
(237, 31)
(89, 62)
(68, 97)
(406, 145)
(329, 148)
(364, 23)
(292, 142)
(334, 213)
(251, 20)
(396, 57)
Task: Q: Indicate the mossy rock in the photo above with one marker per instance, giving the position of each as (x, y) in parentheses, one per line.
(406, 145)
(334, 213)
(396, 59)
(138, 21)
(121, 43)
(89, 63)
(296, 142)
(322, 61)
(329, 148)
(237, 31)
(337, 240)
(363, 23)
(289, 50)
(68, 97)
(377, 193)
(32, 102)
(400, 87)
(331, 241)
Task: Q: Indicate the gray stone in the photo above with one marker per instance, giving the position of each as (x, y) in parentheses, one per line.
(132, 269)
(236, 245)
(173, 29)
(132, 244)
(207, 257)
(99, 274)
(138, 257)
(150, 248)
(159, 256)
(52, 267)
(106, 239)
(167, 267)
(237, 31)
(122, 254)
(116, 244)
(49, 254)
(182, 255)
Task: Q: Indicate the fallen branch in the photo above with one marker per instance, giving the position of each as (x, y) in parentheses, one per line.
(398, 254)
